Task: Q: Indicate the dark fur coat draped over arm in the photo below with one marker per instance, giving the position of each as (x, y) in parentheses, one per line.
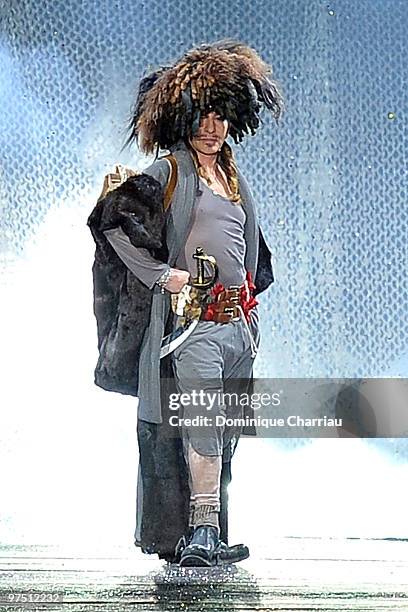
(121, 301)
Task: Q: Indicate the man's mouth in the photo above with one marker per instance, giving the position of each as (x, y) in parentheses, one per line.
(210, 140)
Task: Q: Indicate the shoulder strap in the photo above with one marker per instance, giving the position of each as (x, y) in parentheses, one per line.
(172, 182)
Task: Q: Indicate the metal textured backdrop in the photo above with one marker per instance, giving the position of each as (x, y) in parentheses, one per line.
(330, 182)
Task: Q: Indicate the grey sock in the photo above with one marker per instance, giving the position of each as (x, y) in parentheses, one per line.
(205, 515)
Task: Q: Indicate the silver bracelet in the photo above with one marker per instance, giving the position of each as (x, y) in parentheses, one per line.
(163, 279)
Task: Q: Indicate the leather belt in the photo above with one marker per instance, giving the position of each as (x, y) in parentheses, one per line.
(224, 307)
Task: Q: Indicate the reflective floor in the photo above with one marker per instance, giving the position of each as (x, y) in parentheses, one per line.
(299, 574)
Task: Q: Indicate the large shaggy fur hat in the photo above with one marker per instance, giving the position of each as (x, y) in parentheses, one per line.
(226, 77)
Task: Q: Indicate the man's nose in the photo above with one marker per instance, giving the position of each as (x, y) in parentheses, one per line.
(209, 125)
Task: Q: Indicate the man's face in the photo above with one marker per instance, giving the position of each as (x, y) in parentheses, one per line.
(210, 135)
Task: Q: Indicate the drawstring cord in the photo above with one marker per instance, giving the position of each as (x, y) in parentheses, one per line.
(254, 348)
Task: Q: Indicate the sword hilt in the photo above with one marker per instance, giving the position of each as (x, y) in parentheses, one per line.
(201, 281)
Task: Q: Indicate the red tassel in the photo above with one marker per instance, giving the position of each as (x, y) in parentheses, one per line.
(247, 300)
(247, 303)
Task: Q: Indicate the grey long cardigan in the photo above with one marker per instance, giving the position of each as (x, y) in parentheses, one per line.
(132, 316)
(179, 221)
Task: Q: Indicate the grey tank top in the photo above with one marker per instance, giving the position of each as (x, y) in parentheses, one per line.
(218, 227)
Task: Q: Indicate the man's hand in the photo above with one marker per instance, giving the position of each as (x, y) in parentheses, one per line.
(177, 280)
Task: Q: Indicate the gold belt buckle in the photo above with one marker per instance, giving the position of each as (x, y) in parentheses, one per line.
(233, 311)
(235, 299)
(234, 295)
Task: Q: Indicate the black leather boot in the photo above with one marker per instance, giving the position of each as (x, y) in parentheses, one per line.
(201, 549)
(180, 546)
(204, 549)
(231, 554)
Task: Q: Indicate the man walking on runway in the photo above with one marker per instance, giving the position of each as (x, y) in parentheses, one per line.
(190, 109)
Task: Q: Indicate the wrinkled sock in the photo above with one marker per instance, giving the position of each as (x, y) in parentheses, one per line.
(205, 474)
(206, 515)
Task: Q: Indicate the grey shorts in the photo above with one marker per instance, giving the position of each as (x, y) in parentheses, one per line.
(214, 361)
